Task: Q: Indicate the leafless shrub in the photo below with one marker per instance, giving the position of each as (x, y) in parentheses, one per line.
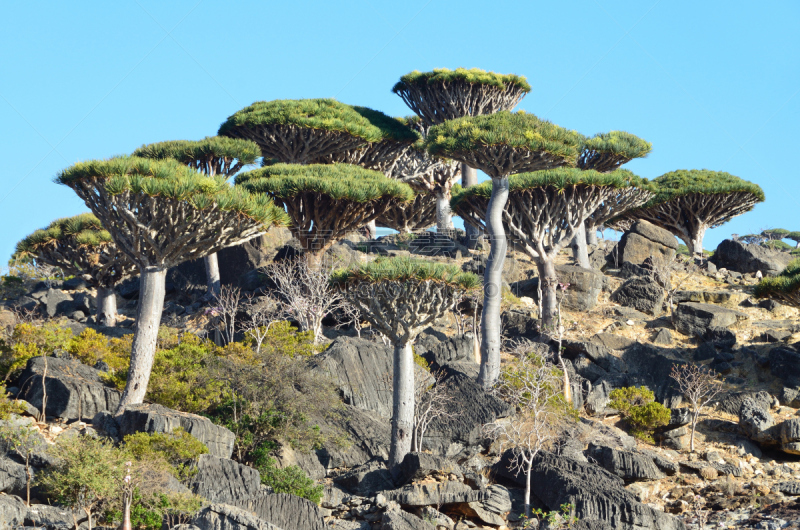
(698, 385)
(224, 311)
(432, 401)
(261, 314)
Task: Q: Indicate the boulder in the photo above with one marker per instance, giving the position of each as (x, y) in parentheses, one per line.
(612, 341)
(74, 390)
(647, 366)
(369, 437)
(287, 511)
(416, 466)
(642, 294)
(400, 520)
(12, 477)
(732, 403)
(53, 517)
(224, 480)
(596, 401)
(435, 494)
(12, 511)
(519, 324)
(787, 487)
(57, 302)
(694, 319)
(720, 337)
(367, 479)
(628, 465)
(154, 418)
(644, 240)
(225, 517)
(585, 286)
(740, 257)
(663, 337)
(596, 493)
(756, 421)
(784, 363)
(439, 349)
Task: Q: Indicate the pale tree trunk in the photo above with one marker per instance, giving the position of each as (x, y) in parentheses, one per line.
(469, 177)
(492, 285)
(695, 417)
(527, 500)
(402, 405)
(372, 229)
(695, 242)
(548, 280)
(212, 274)
(591, 235)
(579, 250)
(444, 221)
(148, 318)
(106, 307)
(126, 513)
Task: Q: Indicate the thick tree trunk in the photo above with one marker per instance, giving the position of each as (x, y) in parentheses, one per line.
(402, 405)
(372, 229)
(548, 281)
(212, 274)
(591, 235)
(492, 285)
(469, 177)
(695, 243)
(106, 307)
(148, 318)
(444, 222)
(579, 249)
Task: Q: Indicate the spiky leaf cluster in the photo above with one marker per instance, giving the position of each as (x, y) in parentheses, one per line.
(213, 155)
(160, 212)
(78, 245)
(403, 269)
(472, 76)
(703, 182)
(608, 151)
(505, 143)
(785, 287)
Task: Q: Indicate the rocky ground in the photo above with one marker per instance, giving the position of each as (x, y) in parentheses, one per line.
(625, 326)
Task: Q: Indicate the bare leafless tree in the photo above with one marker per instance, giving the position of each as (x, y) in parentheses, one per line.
(224, 311)
(433, 402)
(698, 385)
(305, 291)
(531, 385)
(262, 312)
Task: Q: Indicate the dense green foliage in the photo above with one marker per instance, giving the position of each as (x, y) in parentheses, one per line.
(559, 178)
(402, 269)
(325, 114)
(684, 182)
(775, 233)
(189, 151)
(290, 479)
(172, 180)
(785, 286)
(7, 405)
(513, 129)
(84, 229)
(641, 412)
(175, 449)
(463, 75)
(337, 181)
(619, 143)
(391, 128)
(28, 341)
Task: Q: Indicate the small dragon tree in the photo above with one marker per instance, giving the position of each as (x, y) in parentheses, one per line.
(604, 153)
(161, 213)
(784, 287)
(689, 202)
(80, 245)
(325, 201)
(401, 297)
(212, 156)
(300, 131)
(445, 94)
(545, 209)
(501, 144)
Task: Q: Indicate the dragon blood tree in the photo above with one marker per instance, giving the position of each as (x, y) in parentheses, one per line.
(784, 287)
(409, 217)
(212, 156)
(160, 213)
(689, 202)
(544, 211)
(80, 245)
(604, 153)
(300, 131)
(501, 144)
(401, 297)
(325, 201)
(445, 94)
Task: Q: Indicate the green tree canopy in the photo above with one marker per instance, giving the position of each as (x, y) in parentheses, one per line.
(402, 269)
(505, 143)
(775, 234)
(213, 155)
(608, 151)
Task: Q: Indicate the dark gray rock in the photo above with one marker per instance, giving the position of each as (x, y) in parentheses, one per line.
(25, 303)
(756, 421)
(585, 285)
(75, 284)
(642, 294)
(694, 319)
(704, 352)
(612, 341)
(74, 390)
(647, 366)
(720, 337)
(628, 465)
(287, 511)
(663, 337)
(53, 517)
(789, 397)
(12, 511)
(234, 263)
(400, 520)
(519, 325)
(416, 466)
(773, 335)
(596, 401)
(436, 494)
(787, 488)
(225, 517)
(57, 302)
(732, 403)
(439, 349)
(597, 353)
(156, 418)
(743, 258)
(367, 479)
(645, 240)
(784, 363)
(595, 493)
(591, 524)
(369, 437)
(12, 477)
(223, 480)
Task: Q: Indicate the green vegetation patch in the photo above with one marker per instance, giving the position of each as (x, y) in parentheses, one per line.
(462, 75)
(391, 128)
(337, 181)
(639, 409)
(685, 182)
(85, 228)
(787, 283)
(402, 269)
(619, 143)
(325, 114)
(188, 151)
(172, 180)
(513, 129)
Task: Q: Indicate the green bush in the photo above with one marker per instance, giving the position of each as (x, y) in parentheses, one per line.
(290, 479)
(8, 406)
(28, 341)
(641, 412)
(176, 449)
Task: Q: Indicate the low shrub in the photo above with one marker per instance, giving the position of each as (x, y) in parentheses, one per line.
(28, 341)
(290, 479)
(8, 406)
(175, 449)
(641, 412)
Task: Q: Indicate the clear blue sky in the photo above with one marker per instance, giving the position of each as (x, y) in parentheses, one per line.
(711, 84)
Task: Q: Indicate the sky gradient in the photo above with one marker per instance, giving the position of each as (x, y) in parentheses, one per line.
(713, 85)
